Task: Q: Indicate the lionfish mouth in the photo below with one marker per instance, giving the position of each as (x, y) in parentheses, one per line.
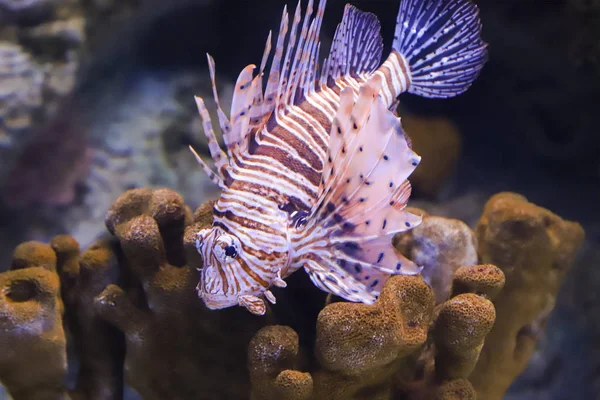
(215, 301)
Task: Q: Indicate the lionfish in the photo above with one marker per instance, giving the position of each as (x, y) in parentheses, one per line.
(315, 173)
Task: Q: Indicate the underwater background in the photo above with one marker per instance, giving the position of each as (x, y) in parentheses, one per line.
(96, 97)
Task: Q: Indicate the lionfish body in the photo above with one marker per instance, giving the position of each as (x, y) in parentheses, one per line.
(315, 173)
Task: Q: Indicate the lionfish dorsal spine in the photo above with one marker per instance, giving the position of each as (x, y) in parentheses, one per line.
(219, 157)
(275, 69)
(257, 113)
(224, 122)
(300, 49)
(215, 177)
(266, 53)
(284, 78)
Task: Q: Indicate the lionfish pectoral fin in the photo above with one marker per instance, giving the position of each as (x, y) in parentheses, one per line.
(362, 198)
(337, 282)
(253, 304)
(278, 281)
(270, 297)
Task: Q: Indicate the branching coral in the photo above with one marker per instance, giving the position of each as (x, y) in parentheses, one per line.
(376, 351)
(272, 357)
(535, 248)
(416, 342)
(33, 357)
(33, 364)
(455, 340)
(99, 346)
(360, 346)
(176, 348)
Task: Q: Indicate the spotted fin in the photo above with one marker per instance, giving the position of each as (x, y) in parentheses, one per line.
(441, 41)
(361, 201)
(357, 46)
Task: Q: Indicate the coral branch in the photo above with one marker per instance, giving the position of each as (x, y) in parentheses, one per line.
(535, 248)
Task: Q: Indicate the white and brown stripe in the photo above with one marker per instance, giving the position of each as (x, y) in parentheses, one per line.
(280, 172)
(295, 151)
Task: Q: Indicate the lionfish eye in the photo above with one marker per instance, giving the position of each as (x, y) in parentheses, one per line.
(230, 251)
(299, 218)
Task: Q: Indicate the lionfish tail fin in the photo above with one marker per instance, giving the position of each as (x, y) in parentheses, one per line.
(441, 41)
(362, 199)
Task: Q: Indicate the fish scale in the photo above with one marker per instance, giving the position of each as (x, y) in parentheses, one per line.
(315, 170)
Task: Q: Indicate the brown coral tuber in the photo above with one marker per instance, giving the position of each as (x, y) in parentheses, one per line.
(135, 317)
(484, 280)
(99, 346)
(176, 348)
(460, 329)
(456, 338)
(361, 346)
(33, 356)
(272, 357)
(535, 248)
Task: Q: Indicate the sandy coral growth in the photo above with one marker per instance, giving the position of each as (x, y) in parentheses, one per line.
(132, 312)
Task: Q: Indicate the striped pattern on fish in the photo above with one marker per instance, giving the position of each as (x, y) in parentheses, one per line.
(315, 170)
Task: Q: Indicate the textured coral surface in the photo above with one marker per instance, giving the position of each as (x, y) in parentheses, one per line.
(361, 347)
(175, 347)
(272, 357)
(99, 346)
(33, 358)
(535, 248)
(132, 312)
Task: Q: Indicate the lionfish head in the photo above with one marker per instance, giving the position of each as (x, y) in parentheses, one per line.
(221, 252)
(221, 284)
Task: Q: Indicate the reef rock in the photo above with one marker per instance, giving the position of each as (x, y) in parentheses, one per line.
(21, 87)
(440, 245)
